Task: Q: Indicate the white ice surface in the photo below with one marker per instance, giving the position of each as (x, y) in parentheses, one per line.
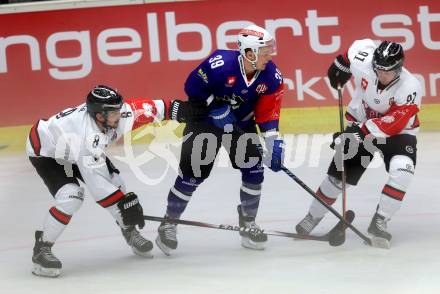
(97, 260)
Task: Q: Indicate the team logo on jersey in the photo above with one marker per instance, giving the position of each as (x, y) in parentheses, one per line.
(230, 81)
(203, 75)
(364, 84)
(409, 149)
(261, 88)
(387, 119)
(235, 100)
(377, 100)
(391, 101)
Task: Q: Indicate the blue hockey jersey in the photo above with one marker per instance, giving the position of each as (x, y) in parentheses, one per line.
(221, 79)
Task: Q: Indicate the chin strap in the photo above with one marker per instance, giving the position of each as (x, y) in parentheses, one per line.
(253, 63)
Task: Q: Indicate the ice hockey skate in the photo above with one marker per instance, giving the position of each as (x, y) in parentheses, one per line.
(167, 239)
(45, 263)
(307, 224)
(378, 232)
(138, 244)
(252, 236)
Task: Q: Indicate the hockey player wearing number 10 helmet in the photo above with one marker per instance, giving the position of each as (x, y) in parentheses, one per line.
(242, 90)
(383, 113)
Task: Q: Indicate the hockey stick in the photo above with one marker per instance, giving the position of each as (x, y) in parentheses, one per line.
(330, 237)
(342, 219)
(331, 209)
(344, 174)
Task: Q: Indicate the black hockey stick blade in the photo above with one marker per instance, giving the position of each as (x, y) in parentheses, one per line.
(337, 234)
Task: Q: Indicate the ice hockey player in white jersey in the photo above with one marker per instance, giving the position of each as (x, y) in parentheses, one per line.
(382, 115)
(70, 146)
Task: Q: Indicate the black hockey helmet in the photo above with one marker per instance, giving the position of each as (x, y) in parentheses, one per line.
(102, 99)
(388, 56)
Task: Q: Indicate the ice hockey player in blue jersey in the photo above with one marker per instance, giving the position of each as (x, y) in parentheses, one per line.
(238, 90)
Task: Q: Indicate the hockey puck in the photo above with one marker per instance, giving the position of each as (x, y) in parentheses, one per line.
(337, 238)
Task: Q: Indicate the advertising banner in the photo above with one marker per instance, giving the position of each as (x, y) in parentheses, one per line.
(50, 60)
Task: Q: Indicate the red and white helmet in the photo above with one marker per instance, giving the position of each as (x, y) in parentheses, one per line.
(254, 37)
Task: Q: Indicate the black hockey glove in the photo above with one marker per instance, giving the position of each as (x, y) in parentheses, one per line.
(131, 210)
(184, 111)
(352, 132)
(339, 72)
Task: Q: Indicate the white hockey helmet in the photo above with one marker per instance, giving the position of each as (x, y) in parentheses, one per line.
(254, 37)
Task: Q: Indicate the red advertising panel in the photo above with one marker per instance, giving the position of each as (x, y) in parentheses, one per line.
(49, 60)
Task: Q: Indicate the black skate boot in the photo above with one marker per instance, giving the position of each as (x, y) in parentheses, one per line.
(252, 236)
(167, 238)
(138, 244)
(307, 224)
(45, 263)
(378, 231)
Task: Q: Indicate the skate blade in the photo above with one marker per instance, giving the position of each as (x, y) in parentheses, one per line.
(165, 249)
(40, 271)
(147, 254)
(380, 242)
(247, 243)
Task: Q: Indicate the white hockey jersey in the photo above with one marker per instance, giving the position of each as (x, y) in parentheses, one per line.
(386, 112)
(73, 136)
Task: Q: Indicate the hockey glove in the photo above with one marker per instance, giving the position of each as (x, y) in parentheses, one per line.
(131, 211)
(184, 111)
(274, 157)
(352, 132)
(339, 72)
(222, 116)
